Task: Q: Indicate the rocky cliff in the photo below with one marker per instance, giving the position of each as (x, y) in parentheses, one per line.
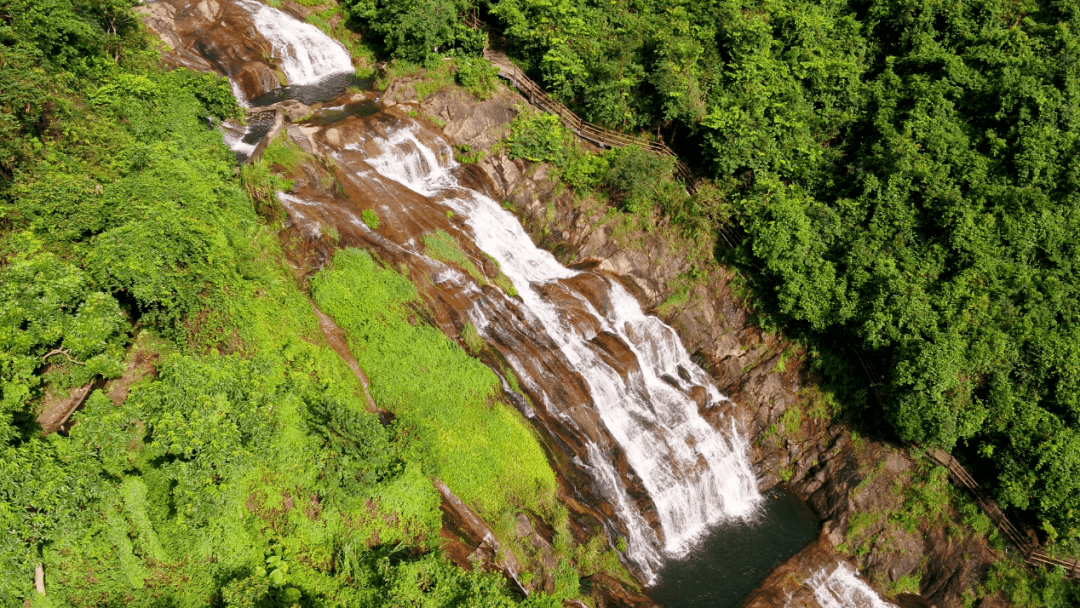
(865, 491)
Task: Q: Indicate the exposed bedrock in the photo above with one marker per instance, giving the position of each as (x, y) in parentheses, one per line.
(818, 459)
(218, 36)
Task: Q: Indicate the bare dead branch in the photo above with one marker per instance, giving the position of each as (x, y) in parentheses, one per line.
(61, 351)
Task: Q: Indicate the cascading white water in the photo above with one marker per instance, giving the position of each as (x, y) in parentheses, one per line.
(303, 51)
(842, 588)
(695, 475)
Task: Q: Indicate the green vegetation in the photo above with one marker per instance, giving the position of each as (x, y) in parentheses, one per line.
(262, 177)
(477, 76)
(371, 218)
(1050, 590)
(482, 448)
(466, 156)
(904, 584)
(243, 469)
(472, 339)
(416, 29)
(332, 19)
(637, 182)
(441, 246)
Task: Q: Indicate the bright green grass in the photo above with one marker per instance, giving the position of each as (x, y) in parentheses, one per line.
(441, 246)
(484, 450)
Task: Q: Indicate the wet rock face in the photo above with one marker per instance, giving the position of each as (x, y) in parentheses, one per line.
(218, 36)
(406, 220)
(809, 453)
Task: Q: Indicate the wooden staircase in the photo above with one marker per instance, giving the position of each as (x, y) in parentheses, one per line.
(1033, 554)
(600, 136)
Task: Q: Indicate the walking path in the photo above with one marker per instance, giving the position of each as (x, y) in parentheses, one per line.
(1032, 553)
(605, 138)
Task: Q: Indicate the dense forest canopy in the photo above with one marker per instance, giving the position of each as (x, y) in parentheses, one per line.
(906, 173)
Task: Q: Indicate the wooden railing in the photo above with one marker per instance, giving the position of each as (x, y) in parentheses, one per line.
(473, 20)
(1032, 553)
(603, 137)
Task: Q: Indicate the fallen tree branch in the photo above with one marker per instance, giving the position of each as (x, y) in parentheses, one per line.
(61, 351)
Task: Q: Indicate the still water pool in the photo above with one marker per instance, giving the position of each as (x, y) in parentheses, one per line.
(735, 558)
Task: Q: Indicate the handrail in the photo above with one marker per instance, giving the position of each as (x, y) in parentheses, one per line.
(601, 136)
(1033, 554)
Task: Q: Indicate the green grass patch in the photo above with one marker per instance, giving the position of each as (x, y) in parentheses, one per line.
(398, 68)
(483, 449)
(441, 246)
(371, 218)
(472, 339)
(435, 80)
(503, 282)
(465, 154)
(791, 421)
(909, 583)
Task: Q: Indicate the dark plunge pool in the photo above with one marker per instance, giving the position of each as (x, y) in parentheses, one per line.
(324, 90)
(735, 558)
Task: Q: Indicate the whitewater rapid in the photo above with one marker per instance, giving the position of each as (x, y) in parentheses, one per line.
(695, 475)
(303, 52)
(842, 588)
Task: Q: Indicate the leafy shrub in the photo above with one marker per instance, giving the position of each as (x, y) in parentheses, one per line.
(536, 136)
(478, 76)
(123, 86)
(641, 181)
(49, 306)
(212, 91)
(165, 262)
(417, 29)
(541, 137)
(362, 449)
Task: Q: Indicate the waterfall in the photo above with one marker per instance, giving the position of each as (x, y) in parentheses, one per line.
(695, 475)
(303, 51)
(844, 589)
